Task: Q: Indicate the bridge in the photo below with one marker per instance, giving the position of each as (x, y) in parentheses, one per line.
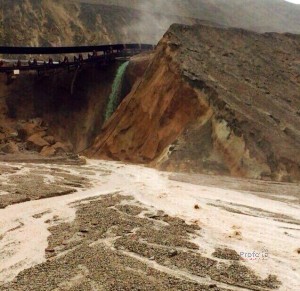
(101, 54)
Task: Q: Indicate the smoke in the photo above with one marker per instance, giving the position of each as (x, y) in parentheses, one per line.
(150, 19)
(153, 18)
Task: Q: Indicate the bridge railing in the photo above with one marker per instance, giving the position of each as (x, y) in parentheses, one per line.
(109, 53)
(71, 49)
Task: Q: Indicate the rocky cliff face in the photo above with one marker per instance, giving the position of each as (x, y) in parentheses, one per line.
(80, 22)
(66, 107)
(258, 15)
(62, 23)
(213, 100)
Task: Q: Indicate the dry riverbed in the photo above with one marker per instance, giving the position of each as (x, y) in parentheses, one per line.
(111, 226)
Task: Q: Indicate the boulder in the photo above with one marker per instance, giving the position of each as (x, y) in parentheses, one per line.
(36, 142)
(50, 139)
(61, 147)
(27, 129)
(10, 148)
(48, 151)
(36, 121)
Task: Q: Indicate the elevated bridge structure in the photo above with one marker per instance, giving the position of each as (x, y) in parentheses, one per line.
(101, 54)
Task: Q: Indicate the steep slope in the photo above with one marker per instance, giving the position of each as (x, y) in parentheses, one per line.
(59, 22)
(69, 104)
(260, 15)
(79, 22)
(213, 100)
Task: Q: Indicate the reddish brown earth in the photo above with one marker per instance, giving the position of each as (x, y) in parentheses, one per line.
(213, 100)
(135, 70)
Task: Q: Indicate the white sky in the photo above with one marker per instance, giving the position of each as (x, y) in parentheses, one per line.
(294, 1)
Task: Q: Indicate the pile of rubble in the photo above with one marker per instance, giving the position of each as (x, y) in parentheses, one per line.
(31, 136)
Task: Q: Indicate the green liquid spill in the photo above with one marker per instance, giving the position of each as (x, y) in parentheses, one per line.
(113, 100)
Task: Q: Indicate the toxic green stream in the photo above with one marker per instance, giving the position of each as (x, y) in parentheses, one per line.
(114, 97)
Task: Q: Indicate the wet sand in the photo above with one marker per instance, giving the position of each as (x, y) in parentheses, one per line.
(132, 228)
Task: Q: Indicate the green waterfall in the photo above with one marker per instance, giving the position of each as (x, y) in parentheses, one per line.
(113, 100)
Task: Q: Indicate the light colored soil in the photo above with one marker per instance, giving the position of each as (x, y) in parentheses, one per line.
(113, 245)
(21, 184)
(132, 228)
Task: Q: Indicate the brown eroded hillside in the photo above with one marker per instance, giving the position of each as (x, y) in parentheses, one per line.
(213, 100)
(80, 22)
(53, 114)
(62, 23)
(258, 15)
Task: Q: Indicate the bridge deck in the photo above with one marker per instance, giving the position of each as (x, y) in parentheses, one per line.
(102, 60)
(109, 54)
(72, 50)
